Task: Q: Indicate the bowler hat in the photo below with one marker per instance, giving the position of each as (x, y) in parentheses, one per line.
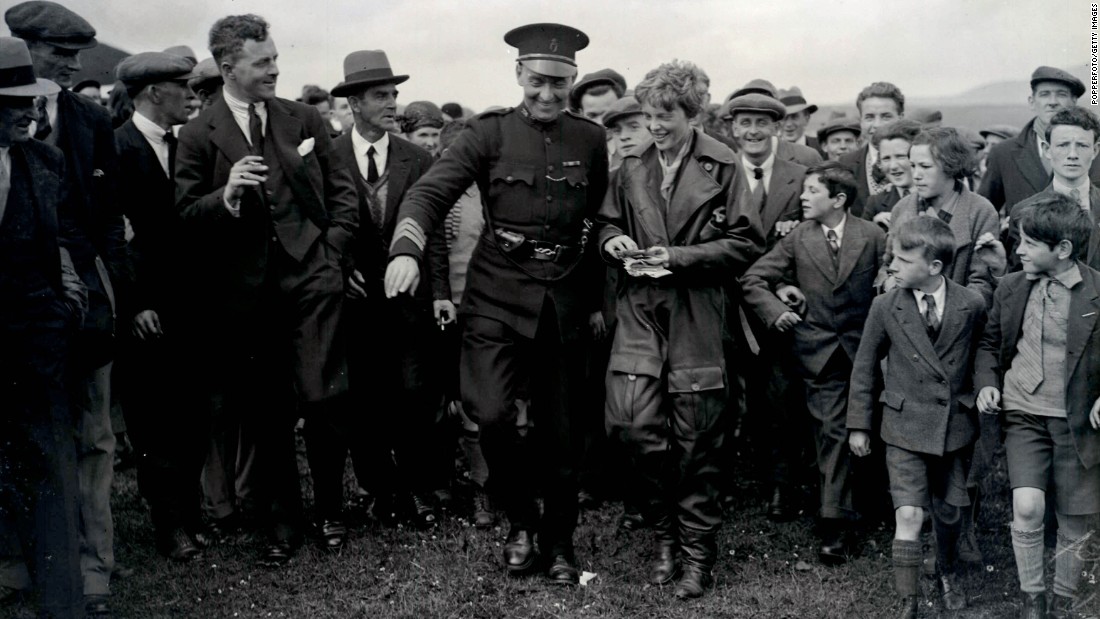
(1051, 74)
(610, 77)
(49, 22)
(17, 72)
(753, 102)
(795, 102)
(548, 49)
(368, 67)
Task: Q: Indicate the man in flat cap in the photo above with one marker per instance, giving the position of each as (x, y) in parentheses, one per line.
(542, 172)
(82, 130)
(785, 150)
(1016, 168)
(793, 126)
(838, 137)
(878, 104)
(151, 359)
(390, 357)
(43, 301)
(270, 218)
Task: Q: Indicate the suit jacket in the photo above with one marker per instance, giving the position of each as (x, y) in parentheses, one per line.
(783, 192)
(881, 203)
(1092, 251)
(85, 136)
(406, 163)
(813, 143)
(973, 217)
(1082, 379)
(857, 163)
(929, 393)
(148, 202)
(233, 251)
(1015, 172)
(711, 236)
(802, 155)
(837, 301)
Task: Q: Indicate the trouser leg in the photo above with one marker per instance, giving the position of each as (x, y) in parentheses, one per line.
(697, 431)
(327, 433)
(827, 401)
(91, 393)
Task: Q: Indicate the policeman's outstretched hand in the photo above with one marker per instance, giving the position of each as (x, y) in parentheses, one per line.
(250, 171)
(402, 275)
(619, 246)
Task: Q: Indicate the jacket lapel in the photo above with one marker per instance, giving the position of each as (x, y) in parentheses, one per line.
(226, 134)
(75, 136)
(1012, 319)
(639, 175)
(953, 321)
(398, 167)
(851, 247)
(907, 313)
(1092, 254)
(692, 190)
(1027, 159)
(814, 240)
(286, 130)
(783, 184)
(1084, 307)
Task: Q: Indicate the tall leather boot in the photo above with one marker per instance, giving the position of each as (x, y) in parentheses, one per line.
(665, 568)
(700, 551)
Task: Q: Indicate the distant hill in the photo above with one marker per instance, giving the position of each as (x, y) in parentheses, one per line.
(974, 115)
(1004, 92)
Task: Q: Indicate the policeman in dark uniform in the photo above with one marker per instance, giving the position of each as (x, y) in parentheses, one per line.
(542, 173)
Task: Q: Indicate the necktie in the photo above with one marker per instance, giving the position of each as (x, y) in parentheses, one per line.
(944, 215)
(1029, 349)
(758, 173)
(372, 167)
(255, 130)
(1075, 193)
(173, 143)
(834, 246)
(931, 320)
(44, 127)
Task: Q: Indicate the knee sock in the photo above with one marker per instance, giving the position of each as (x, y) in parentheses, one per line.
(1068, 564)
(1028, 548)
(947, 522)
(906, 557)
(471, 446)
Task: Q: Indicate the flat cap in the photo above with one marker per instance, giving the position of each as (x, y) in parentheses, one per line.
(754, 102)
(974, 140)
(610, 77)
(49, 22)
(1052, 74)
(453, 110)
(183, 50)
(1006, 132)
(795, 102)
(835, 125)
(627, 106)
(756, 86)
(548, 49)
(927, 117)
(151, 67)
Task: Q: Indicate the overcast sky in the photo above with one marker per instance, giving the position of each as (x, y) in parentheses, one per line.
(454, 50)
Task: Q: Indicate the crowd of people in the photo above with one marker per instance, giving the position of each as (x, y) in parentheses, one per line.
(587, 295)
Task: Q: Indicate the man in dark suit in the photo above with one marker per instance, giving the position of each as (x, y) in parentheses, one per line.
(541, 171)
(1070, 146)
(42, 304)
(154, 307)
(784, 149)
(270, 216)
(82, 130)
(878, 104)
(390, 356)
(1015, 168)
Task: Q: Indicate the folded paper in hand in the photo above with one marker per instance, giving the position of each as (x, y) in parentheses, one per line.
(639, 267)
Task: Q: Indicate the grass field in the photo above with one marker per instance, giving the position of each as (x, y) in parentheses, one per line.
(765, 570)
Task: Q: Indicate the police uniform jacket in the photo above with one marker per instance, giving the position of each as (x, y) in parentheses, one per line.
(538, 181)
(928, 394)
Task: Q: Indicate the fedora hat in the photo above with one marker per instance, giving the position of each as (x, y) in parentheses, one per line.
(794, 101)
(364, 68)
(17, 73)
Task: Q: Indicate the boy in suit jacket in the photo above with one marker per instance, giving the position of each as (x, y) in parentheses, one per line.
(929, 424)
(826, 268)
(1039, 363)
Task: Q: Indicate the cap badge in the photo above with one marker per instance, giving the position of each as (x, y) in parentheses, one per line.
(553, 45)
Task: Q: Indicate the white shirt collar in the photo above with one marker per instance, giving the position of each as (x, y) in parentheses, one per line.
(766, 167)
(839, 230)
(801, 140)
(381, 150)
(239, 109)
(1083, 186)
(939, 295)
(154, 135)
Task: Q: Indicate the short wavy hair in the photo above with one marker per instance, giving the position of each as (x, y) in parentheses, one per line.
(677, 83)
(1055, 218)
(228, 34)
(949, 150)
(902, 129)
(838, 179)
(931, 235)
(882, 90)
(1076, 117)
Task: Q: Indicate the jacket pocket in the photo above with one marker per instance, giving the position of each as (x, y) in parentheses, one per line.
(512, 173)
(576, 176)
(893, 400)
(696, 379)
